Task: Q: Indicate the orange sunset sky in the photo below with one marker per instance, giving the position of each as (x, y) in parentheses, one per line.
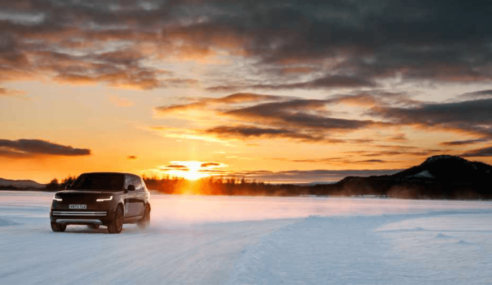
(280, 91)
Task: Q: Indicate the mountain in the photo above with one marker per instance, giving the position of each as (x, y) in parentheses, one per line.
(20, 184)
(438, 177)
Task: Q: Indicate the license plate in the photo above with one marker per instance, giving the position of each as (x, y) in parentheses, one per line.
(77, 206)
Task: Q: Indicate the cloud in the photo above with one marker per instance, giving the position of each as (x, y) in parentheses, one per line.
(482, 94)
(249, 115)
(481, 152)
(463, 142)
(325, 82)
(240, 132)
(32, 147)
(471, 117)
(121, 67)
(347, 160)
(353, 44)
(202, 103)
(210, 164)
(296, 176)
(310, 116)
(132, 157)
(176, 166)
(396, 150)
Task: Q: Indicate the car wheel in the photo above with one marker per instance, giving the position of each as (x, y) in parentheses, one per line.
(93, 227)
(145, 221)
(58, 227)
(116, 225)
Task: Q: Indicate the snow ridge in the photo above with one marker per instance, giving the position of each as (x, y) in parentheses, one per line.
(317, 250)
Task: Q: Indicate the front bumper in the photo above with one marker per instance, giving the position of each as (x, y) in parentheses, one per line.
(99, 213)
(79, 213)
(77, 217)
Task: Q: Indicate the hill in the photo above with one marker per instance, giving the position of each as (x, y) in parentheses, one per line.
(438, 177)
(20, 184)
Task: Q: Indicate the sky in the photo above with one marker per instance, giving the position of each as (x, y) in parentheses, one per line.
(278, 91)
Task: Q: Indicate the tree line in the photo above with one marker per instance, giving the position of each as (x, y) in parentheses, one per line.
(212, 185)
(379, 186)
(59, 185)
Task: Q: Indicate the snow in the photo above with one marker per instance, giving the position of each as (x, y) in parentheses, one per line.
(424, 174)
(254, 240)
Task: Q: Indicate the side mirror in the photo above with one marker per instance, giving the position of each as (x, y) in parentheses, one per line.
(67, 187)
(131, 187)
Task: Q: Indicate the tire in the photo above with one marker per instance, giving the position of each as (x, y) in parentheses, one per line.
(93, 227)
(116, 225)
(145, 221)
(58, 227)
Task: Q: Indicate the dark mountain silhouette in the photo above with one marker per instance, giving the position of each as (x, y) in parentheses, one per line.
(20, 184)
(438, 177)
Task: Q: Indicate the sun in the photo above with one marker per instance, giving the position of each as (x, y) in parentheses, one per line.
(191, 170)
(193, 174)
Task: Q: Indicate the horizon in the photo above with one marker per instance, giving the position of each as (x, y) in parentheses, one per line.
(196, 181)
(275, 91)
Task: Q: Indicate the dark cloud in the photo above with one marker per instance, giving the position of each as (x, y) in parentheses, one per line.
(464, 142)
(396, 150)
(210, 164)
(340, 160)
(202, 103)
(315, 120)
(373, 161)
(240, 132)
(295, 176)
(32, 147)
(76, 53)
(132, 157)
(260, 116)
(487, 152)
(472, 117)
(325, 82)
(176, 166)
(337, 43)
(483, 94)
(299, 113)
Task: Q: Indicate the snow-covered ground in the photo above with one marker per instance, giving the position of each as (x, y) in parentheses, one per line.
(254, 240)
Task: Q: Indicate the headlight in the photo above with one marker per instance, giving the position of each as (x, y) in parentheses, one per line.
(57, 199)
(105, 199)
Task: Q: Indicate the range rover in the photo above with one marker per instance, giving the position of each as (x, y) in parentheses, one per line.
(102, 199)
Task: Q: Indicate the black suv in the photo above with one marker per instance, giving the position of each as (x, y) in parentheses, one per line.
(108, 199)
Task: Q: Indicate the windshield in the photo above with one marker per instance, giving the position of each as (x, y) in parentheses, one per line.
(99, 181)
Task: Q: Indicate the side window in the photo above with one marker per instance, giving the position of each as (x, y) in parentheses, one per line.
(137, 183)
(128, 181)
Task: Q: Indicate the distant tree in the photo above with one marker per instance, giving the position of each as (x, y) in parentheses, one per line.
(53, 185)
(69, 180)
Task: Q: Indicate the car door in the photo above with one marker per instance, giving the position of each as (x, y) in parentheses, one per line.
(138, 201)
(128, 196)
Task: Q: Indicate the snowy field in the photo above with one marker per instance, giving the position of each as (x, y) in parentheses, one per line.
(254, 240)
